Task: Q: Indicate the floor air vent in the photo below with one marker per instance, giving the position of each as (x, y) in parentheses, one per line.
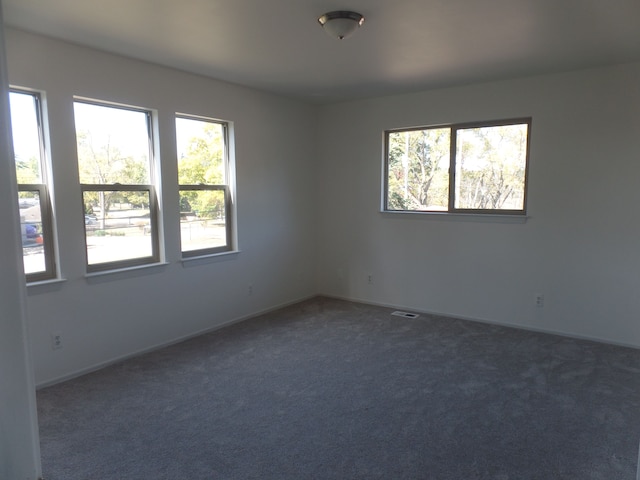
(398, 313)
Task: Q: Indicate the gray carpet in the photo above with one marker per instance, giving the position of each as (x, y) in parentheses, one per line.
(328, 389)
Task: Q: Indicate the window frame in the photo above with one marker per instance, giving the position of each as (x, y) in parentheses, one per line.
(153, 224)
(225, 188)
(151, 188)
(50, 271)
(454, 128)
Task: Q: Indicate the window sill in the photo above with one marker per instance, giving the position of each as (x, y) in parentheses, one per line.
(461, 217)
(212, 257)
(125, 270)
(42, 283)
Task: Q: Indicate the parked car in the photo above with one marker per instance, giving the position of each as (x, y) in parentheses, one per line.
(31, 237)
(27, 202)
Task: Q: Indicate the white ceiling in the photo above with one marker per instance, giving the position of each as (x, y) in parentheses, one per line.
(404, 45)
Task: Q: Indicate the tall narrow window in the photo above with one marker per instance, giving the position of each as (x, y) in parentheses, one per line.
(468, 168)
(116, 178)
(34, 199)
(203, 177)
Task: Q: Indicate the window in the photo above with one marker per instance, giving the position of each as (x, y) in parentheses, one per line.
(34, 199)
(116, 178)
(203, 177)
(470, 168)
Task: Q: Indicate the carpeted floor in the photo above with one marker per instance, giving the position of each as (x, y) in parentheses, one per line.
(328, 389)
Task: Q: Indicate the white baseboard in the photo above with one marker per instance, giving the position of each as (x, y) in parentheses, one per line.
(118, 359)
(487, 321)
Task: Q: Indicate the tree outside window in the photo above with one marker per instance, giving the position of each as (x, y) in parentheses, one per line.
(203, 177)
(115, 161)
(479, 168)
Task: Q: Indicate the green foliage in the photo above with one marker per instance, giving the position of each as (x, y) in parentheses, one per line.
(105, 164)
(202, 163)
(418, 169)
(185, 205)
(490, 171)
(490, 168)
(202, 160)
(28, 171)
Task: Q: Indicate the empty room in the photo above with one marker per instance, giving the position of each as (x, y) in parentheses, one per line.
(316, 239)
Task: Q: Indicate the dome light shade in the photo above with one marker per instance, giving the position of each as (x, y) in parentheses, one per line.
(340, 24)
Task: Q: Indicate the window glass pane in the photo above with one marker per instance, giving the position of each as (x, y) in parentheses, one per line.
(120, 233)
(490, 167)
(32, 232)
(202, 219)
(33, 199)
(114, 148)
(418, 169)
(201, 152)
(202, 162)
(26, 137)
(113, 144)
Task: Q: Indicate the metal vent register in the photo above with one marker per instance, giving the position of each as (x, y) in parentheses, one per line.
(398, 313)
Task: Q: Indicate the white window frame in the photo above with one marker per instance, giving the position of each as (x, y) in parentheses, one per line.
(454, 128)
(225, 188)
(149, 189)
(43, 189)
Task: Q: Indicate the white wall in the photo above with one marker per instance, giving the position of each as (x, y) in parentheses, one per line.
(579, 247)
(108, 317)
(308, 182)
(19, 445)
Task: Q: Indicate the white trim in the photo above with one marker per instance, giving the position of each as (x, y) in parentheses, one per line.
(210, 256)
(40, 283)
(462, 217)
(133, 268)
(487, 321)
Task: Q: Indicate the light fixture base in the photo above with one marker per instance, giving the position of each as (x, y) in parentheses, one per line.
(341, 23)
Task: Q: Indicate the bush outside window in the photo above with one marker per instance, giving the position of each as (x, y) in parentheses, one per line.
(34, 201)
(465, 168)
(203, 178)
(115, 166)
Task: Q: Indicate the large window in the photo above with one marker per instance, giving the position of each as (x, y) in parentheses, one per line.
(203, 177)
(115, 165)
(34, 199)
(470, 168)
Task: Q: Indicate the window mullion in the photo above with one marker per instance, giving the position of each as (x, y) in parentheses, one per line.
(452, 168)
(47, 230)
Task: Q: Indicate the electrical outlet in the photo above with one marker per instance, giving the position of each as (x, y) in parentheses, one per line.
(56, 341)
(539, 300)
(250, 289)
(370, 279)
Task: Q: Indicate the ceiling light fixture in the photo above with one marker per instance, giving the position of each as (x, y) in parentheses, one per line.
(340, 24)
